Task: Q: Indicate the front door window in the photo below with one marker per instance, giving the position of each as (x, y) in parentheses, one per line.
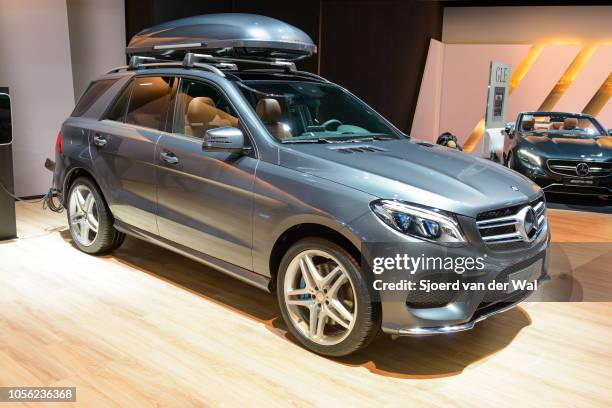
(201, 107)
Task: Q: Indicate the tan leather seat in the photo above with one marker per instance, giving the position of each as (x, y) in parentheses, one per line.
(527, 124)
(202, 115)
(145, 107)
(556, 125)
(269, 111)
(570, 123)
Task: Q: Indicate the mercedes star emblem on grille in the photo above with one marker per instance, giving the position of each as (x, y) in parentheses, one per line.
(528, 223)
(582, 169)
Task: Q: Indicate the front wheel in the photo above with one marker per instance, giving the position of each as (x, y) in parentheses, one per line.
(90, 220)
(325, 300)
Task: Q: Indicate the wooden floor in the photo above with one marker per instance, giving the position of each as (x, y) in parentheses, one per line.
(145, 327)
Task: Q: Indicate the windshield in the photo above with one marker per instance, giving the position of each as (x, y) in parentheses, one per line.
(560, 125)
(306, 112)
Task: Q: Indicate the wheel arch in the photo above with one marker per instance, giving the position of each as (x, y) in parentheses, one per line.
(72, 175)
(306, 230)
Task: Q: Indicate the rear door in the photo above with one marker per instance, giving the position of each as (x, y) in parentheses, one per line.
(205, 199)
(123, 149)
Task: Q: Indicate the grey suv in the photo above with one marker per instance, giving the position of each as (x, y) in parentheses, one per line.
(280, 178)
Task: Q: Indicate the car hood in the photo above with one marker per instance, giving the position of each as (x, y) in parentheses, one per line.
(564, 147)
(413, 171)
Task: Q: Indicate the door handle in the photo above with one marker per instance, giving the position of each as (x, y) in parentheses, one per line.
(99, 140)
(169, 157)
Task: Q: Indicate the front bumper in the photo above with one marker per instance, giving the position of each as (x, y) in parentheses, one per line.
(401, 315)
(481, 314)
(552, 182)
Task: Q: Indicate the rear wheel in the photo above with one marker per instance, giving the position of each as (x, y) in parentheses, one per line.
(90, 220)
(324, 298)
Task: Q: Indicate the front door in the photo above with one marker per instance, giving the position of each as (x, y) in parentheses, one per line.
(205, 199)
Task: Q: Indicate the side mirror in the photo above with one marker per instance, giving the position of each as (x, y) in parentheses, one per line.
(509, 131)
(224, 139)
(6, 131)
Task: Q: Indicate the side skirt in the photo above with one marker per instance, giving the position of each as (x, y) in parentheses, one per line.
(250, 277)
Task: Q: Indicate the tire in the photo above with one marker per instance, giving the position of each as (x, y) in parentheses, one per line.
(86, 207)
(333, 295)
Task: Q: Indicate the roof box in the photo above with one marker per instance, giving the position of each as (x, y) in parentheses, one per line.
(229, 35)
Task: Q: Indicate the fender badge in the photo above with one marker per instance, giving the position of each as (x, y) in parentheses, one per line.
(514, 188)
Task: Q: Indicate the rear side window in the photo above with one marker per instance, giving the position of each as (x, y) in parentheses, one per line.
(117, 111)
(93, 92)
(150, 101)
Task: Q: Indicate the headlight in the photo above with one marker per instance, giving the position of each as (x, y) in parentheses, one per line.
(418, 221)
(529, 157)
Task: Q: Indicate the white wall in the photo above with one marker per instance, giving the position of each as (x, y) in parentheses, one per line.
(49, 52)
(35, 64)
(97, 39)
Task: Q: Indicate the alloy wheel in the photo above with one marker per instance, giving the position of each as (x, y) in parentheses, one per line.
(320, 297)
(84, 216)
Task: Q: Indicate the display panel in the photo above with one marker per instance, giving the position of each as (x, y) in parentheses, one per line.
(6, 132)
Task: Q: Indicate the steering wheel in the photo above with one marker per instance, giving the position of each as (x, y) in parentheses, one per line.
(331, 122)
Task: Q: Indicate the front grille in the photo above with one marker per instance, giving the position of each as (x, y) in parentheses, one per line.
(418, 299)
(570, 168)
(506, 225)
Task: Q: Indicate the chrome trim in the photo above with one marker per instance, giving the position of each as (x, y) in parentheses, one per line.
(539, 207)
(454, 328)
(468, 325)
(514, 236)
(553, 167)
(177, 46)
(520, 234)
(497, 222)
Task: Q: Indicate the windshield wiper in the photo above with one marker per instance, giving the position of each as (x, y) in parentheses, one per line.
(363, 139)
(319, 140)
(339, 140)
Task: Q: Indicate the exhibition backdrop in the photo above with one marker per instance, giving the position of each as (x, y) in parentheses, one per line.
(50, 49)
(561, 58)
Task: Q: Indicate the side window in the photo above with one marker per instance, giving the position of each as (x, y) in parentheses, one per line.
(117, 111)
(201, 107)
(149, 102)
(91, 95)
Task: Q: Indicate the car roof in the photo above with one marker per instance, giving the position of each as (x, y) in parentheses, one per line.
(231, 75)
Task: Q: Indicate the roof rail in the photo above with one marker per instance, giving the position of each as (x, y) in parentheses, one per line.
(311, 75)
(192, 60)
(215, 64)
(234, 61)
(138, 62)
